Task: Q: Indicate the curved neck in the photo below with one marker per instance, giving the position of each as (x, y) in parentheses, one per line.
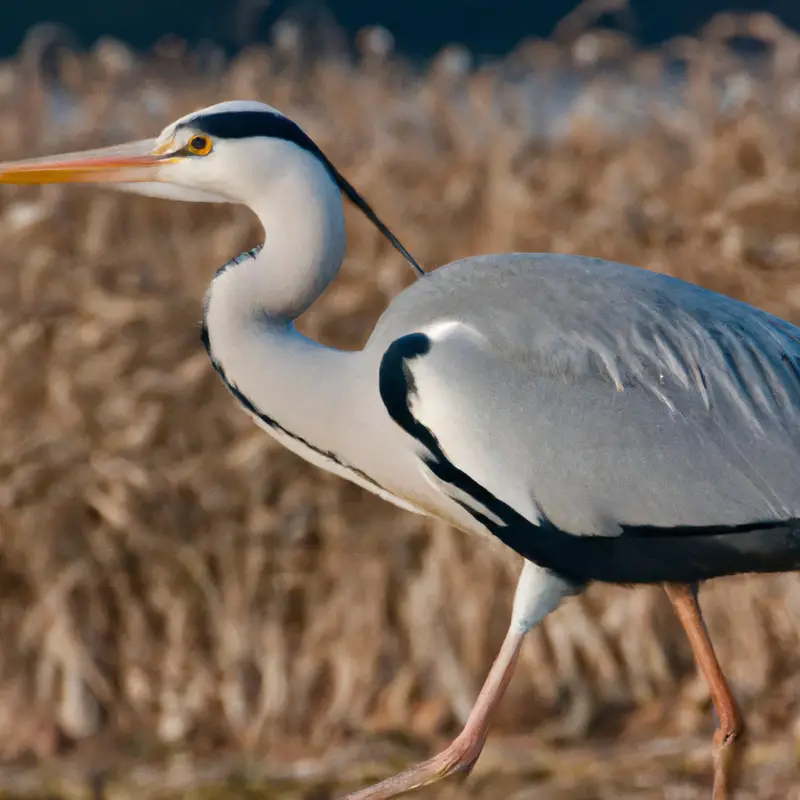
(293, 383)
(301, 212)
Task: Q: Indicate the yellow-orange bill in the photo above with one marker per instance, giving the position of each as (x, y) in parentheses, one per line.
(127, 163)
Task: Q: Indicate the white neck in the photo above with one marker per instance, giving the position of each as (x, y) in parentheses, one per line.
(301, 212)
(250, 307)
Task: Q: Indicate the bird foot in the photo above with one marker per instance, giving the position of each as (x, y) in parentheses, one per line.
(458, 759)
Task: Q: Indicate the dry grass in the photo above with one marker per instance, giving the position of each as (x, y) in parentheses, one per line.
(169, 574)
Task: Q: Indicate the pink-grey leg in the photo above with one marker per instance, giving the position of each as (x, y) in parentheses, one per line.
(538, 593)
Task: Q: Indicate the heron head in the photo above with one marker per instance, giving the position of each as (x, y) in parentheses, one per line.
(224, 153)
(227, 153)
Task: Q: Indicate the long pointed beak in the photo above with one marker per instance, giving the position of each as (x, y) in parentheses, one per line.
(134, 162)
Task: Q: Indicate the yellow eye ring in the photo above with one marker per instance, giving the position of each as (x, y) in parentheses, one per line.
(199, 145)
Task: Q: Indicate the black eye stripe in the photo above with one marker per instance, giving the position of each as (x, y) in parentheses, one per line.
(248, 124)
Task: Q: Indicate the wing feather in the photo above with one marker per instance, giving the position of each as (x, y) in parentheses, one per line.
(675, 421)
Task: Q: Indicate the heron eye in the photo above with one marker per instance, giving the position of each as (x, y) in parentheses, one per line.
(199, 145)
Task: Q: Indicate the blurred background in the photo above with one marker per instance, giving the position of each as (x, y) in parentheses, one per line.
(188, 610)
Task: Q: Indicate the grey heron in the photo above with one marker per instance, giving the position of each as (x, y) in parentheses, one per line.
(607, 423)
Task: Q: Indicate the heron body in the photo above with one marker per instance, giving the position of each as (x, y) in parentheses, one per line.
(683, 404)
(605, 422)
(620, 425)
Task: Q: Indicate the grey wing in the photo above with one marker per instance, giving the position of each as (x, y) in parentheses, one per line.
(673, 443)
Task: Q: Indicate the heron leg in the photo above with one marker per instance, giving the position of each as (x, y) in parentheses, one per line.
(538, 593)
(729, 734)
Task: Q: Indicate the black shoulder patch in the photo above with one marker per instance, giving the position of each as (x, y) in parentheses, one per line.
(396, 382)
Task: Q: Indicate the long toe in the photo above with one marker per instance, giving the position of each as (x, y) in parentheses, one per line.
(459, 758)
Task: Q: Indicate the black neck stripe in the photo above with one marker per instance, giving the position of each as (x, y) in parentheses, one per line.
(247, 124)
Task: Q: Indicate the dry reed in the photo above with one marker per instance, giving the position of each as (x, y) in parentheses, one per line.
(168, 573)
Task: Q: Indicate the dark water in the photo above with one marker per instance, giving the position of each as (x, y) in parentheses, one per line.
(420, 27)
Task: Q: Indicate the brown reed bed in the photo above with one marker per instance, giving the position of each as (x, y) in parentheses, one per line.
(170, 579)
